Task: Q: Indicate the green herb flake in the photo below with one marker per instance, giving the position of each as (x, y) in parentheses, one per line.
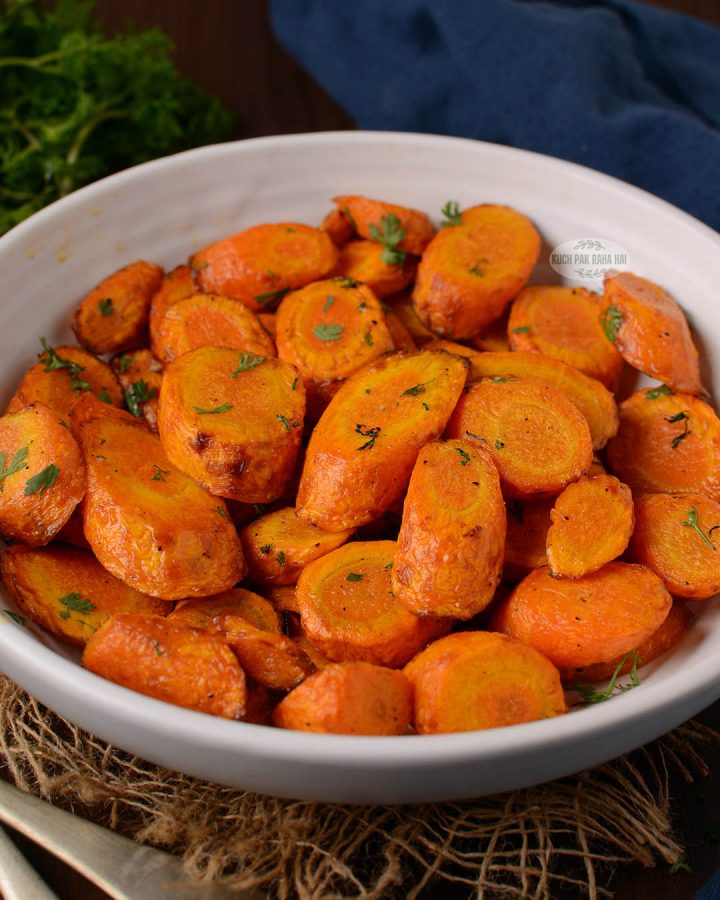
(678, 417)
(368, 339)
(105, 397)
(414, 391)
(15, 617)
(589, 695)
(464, 456)
(159, 473)
(224, 407)
(476, 437)
(477, 271)
(681, 865)
(51, 361)
(345, 281)
(611, 319)
(77, 603)
(265, 549)
(329, 300)
(286, 423)
(17, 464)
(294, 384)
(370, 433)
(139, 392)
(521, 329)
(106, 306)
(662, 391)
(221, 512)
(452, 214)
(499, 445)
(354, 576)
(692, 522)
(124, 364)
(280, 558)
(362, 306)
(388, 565)
(329, 332)
(247, 361)
(390, 234)
(270, 300)
(43, 480)
(684, 418)
(157, 648)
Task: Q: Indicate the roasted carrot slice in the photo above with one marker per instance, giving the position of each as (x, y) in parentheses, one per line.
(269, 323)
(62, 374)
(72, 531)
(400, 336)
(261, 264)
(494, 338)
(349, 611)
(678, 537)
(277, 546)
(176, 285)
(592, 521)
(564, 323)
(202, 612)
(88, 407)
(362, 450)
(42, 475)
(650, 331)
(170, 662)
(401, 306)
(363, 261)
(667, 637)
(537, 439)
(667, 443)
(475, 679)
(318, 659)
(450, 548)
(140, 375)
(400, 227)
(338, 226)
(471, 271)
(208, 320)
(148, 523)
(282, 597)
(349, 698)
(582, 621)
(329, 330)
(527, 527)
(114, 315)
(68, 592)
(593, 399)
(233, 421)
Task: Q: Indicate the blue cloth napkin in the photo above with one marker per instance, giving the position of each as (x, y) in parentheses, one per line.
(619, 86)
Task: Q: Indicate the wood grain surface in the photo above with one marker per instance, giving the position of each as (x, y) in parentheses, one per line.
(228, 47)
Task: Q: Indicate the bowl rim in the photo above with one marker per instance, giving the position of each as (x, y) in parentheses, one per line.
(27, 654)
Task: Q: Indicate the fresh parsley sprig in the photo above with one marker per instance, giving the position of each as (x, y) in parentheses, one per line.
(44, 479)
(452, 214)
(247, 361)
(390, 234)
(589, 695)
(692, 522)
(138, 393)
(18, 462)
(611, 319)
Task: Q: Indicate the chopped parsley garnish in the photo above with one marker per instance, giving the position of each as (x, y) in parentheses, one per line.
(159, 473)
(124, 364)
(611, 319)
(104, 396)
(589, 695)
(346, 281)
(330, 332)
(414, 390)
(362, 306)
(522, 329)
(43, 480)
(355, 576)
(476, 270)
(692, 522)
(286, 423)
(221, 512)
(224, 407)
(681, 865)
(77, 603)
(368, 339)
(138, 392)
(52, 361)
(661, 391)
(18, 462)
(247, 361)
(370, 433)
(452, 214)
(679, 417)
(329, 300)
(280, 558)
(265, 548)
(106, 306)
(271, 299)
(464, 456)
(476, 436)
(15, 617)
(389, 234)
(294, 384)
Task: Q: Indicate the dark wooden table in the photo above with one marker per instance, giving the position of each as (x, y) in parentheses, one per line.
(228, 47)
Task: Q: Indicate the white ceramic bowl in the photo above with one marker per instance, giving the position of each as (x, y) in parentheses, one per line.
(165, 209)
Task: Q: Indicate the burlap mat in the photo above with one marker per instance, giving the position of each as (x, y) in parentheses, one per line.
(531, 842)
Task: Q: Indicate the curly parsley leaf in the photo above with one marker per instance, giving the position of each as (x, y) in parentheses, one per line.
(201, 411)
(331, 332)
(18, 462)
(611, 319)
(390, 234)
(661, 391)
(370, 433)
(44, 479)
(106, 306)
(452, 214)
(138, 393)
(247, 361)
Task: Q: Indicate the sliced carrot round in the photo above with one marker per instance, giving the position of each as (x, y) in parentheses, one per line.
(528, 523)
(370, 217)
(349, 611)
(667, 442)
(363, 261)
(678, 537)
(592, 521)
(471, 271)
(450, 547)
(88, 407)
(399, 334)
(176, 285)
(201, 612)
(261, 264)
(401, 306)
(208, 320)
(564, 323)
(338, 226)
(494, 338)
(477, 679)
(582, 621)
(536, 437)
(348, 698)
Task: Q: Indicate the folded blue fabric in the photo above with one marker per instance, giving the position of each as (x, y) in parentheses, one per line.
(711, 891)
(619, 86)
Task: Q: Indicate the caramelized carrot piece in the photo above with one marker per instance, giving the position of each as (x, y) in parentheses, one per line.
(401, 306)
(564, 323)
(176, 285)
(400, 336)
(650, 331)
(349, 612)
(42, 476)
(148, 523)
(471, 271)
(371, 219)
(208, 320)
(475, 679)
(88, 407)
(678, 537)
(282, 597)
(233, 422)
(667, 443)
(140, 375)
(279, 545)
(537, 439)
(363, 261)
(269, 323)
(72, 531)
(450, 547)
(114, 315)
(338, 226)
(259, 265)
(202, 612)
(362, 450)
(170, 662)
(68, 592)
(527, 527)
(60, 375)
(578, 622)
(592, 521)
(494, 338)
(348, 698)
